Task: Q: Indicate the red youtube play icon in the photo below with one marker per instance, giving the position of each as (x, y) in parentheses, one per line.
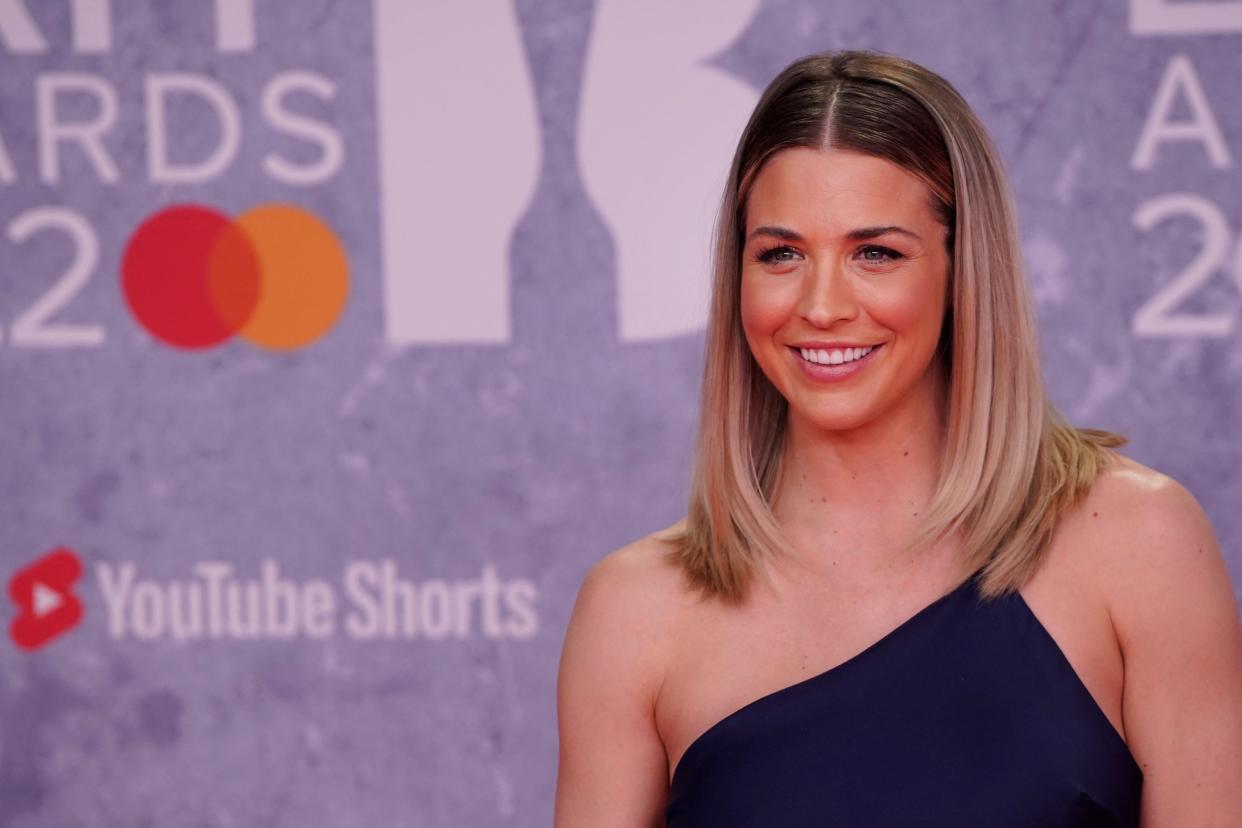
(45, 601)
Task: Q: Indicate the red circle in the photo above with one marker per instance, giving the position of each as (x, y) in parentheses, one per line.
(190, 277)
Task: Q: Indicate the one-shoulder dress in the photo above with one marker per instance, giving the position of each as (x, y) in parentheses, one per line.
(967, 715)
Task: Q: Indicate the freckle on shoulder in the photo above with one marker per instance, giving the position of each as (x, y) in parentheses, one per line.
(1139, 508)
(1121, 496)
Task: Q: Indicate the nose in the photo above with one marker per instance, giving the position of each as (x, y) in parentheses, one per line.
(827, 295)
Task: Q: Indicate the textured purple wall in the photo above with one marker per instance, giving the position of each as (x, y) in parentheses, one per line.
(412, 498)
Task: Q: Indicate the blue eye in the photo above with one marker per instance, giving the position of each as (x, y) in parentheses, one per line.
(885, 254)
(770, 255)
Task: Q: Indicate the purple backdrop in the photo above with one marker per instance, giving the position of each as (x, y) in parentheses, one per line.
(327, 584)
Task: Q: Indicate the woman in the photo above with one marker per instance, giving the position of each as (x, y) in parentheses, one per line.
(906, 592)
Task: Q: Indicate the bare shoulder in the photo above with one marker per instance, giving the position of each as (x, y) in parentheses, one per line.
(1147, 532)
(625, 601)
(628, 603)
(613, 766)
(1128, 489)
(634, 584)
(643, 558)
(1175, 612)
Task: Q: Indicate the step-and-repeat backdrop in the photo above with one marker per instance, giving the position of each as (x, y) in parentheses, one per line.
(338, 338)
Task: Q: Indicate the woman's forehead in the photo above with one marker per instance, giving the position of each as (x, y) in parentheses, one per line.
(836, 187)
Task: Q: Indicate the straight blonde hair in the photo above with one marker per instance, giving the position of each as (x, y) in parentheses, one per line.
(1011, 465)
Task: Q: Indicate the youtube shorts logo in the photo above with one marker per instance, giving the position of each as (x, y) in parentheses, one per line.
(46, 605)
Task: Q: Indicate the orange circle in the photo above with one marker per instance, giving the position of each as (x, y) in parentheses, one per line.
(305, 277)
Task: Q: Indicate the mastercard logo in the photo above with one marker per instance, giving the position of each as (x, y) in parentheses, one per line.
(275, 276)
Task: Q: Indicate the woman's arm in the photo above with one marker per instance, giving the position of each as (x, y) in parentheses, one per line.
(1177, 620)
(613, 770)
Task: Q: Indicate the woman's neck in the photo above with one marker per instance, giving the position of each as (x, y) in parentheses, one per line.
(852, 498)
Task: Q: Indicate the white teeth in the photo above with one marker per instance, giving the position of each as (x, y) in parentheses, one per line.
(835, 356)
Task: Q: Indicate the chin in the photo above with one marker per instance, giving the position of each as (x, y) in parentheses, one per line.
(833, 420)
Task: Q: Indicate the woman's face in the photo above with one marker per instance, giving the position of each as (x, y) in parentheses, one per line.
(844, 263)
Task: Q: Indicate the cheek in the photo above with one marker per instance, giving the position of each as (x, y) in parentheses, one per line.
(915, 313)
(764, 308)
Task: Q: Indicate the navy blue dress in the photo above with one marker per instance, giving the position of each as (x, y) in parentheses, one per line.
(968, 715)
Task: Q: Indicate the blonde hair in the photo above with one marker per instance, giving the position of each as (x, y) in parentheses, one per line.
(1011, 465)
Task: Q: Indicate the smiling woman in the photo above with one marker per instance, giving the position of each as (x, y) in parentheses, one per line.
(906, 591)
(838, 284)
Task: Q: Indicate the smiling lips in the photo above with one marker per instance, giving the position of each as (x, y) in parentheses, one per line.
(835, 356)
(833, 363)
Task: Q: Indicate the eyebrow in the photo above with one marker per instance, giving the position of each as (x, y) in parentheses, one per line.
(854, 235)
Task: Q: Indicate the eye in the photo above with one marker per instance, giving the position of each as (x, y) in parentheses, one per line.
(878, 255)
(775, 255)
